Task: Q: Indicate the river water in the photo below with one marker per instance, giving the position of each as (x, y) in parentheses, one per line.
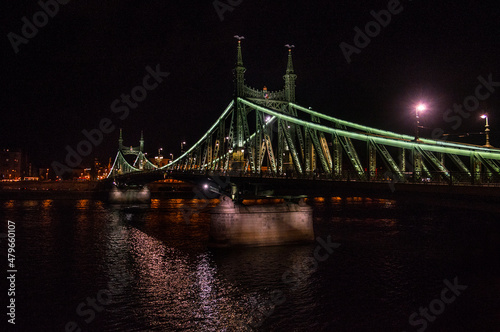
(85, 265)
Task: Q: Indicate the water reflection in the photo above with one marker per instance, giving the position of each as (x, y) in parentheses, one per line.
(82, 204)
(47, 203)
(179, 284)
(162, 276)
(9, 204)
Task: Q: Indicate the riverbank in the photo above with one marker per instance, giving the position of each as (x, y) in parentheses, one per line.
(83, 190)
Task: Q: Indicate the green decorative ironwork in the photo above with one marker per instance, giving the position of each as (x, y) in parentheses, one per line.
(264, 123)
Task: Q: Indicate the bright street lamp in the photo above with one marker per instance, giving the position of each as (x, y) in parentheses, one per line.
(182, 146)
(487, 130)
(421, 107)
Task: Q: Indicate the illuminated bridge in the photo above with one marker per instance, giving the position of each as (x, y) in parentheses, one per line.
(267, 136)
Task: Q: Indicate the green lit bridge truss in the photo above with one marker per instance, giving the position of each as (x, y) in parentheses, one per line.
(140, 164)
(265, 132)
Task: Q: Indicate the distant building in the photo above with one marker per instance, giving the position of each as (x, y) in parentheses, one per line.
(13, 165)
(160, 161)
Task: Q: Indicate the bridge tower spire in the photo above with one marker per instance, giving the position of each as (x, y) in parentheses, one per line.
(239, 75)
(290, 77)
(239, 70)
(141, 145)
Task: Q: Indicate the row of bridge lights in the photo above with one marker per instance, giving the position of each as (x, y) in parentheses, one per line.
(421, 107)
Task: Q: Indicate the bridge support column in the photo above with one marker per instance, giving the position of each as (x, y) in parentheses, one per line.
(440, 157)
(281, 147)
(337, 157)
(314, 167)
(372, 161)
(308, 148)
(232, 224)
(402, 160)
(417, 165)
(475, 165)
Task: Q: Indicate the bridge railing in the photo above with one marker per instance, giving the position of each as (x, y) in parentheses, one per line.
(431, 178)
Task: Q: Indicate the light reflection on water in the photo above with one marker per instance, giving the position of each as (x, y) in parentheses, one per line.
(172, 288)
(391, 261)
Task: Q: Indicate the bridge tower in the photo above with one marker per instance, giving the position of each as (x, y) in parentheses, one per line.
(121, 166)
(237, 143)
(263, 130)
(245, 154)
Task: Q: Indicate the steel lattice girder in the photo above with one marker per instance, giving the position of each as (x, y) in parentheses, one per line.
(291, 147)
(429, 145)
(389, 161)
(379, 137)
(460, 164)
(319, 151)
(435, 162)
(389, 134)
(490, 164)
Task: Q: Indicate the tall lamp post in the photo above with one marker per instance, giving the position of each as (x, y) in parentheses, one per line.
(182, 146)
(487, 130)
(421, 107)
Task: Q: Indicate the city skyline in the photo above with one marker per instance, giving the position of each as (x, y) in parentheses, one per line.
(364, 62)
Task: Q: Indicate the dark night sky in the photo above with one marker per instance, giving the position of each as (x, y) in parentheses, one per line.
(66, 77)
